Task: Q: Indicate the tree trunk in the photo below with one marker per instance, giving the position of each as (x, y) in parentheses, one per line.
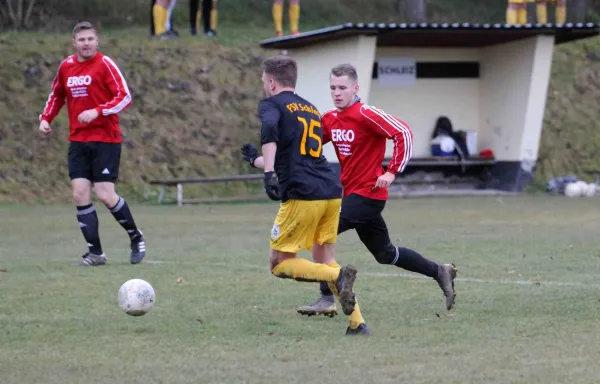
(412, 11)
(17, 12)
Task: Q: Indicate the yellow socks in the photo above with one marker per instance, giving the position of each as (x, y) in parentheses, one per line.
(278, 17)
(214, 13)
(561, 14)
(511, 16)
(304, 270)
(159, 16)
(522, 16)
(356, 318)
(542, 13)
(294, 13)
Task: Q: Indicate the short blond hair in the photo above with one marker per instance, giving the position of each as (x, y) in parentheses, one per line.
(345, 70)
(83, 26)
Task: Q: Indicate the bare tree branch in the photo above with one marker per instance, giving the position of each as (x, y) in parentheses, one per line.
(20, 12)
(11, 13)
(28, 14)
(4, 13)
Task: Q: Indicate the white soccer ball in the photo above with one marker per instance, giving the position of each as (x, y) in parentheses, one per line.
(582, 187)
(573, 190)
(591, 190)
(136, 297)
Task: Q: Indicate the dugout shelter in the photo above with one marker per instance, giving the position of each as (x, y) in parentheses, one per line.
(491, 80)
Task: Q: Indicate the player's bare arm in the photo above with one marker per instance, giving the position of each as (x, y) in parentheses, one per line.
(269, 150)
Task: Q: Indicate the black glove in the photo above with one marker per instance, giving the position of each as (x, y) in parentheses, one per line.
(250, 153)
(271, 186)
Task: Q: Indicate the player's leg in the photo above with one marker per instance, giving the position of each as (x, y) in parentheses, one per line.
(325, 303)
(375, 237)
(325, 239)
(80, 173)
(293, 231)
(159, 15)
(561, 11)
(105, 169)
(207, 16)
(152, 31)
(541, 11)
(214, 18)
(294, 14)
(278, 17)
(194, 16)
(169, 22)
(512, 11)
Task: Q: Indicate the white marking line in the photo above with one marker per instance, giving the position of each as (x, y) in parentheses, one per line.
(408, 276)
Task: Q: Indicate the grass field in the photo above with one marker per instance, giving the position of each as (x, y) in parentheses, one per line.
(527, 304)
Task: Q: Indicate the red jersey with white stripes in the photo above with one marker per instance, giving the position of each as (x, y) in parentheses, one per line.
(359, 135)
(96, 83)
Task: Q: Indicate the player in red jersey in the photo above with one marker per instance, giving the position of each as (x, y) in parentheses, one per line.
(359, 133)
(95, 91)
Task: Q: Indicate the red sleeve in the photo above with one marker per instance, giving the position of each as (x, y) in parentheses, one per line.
(325, 128)
(394, 129)
(56, 99)
(118, 87)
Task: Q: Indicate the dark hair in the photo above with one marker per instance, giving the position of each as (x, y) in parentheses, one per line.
(345, 70)
(83, 26)
(283, 69)
(443, 126)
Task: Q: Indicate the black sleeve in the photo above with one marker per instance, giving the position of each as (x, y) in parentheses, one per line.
(269, 114)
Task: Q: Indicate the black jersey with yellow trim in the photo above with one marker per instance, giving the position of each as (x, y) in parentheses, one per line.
(295, 125)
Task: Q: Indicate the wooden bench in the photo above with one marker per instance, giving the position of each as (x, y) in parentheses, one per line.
(448, 161)
(217, 179)
(419, 163)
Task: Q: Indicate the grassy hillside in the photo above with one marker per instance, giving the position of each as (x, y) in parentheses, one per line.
(117, 13)
(571, 136)
(195, 103)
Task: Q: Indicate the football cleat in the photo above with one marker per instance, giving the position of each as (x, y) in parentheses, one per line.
(362, 329)
(345, 285)
(324, 305)
(92, 260)
(138, 248)
(445, 279)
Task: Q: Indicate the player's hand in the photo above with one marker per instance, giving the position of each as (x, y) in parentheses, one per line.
(45, 127)
(250, 153)
(271, 186)
(88, 116)
(385, 180)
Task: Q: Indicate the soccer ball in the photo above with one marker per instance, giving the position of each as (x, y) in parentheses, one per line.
(591, 190)
(573, 190)
(136, 297)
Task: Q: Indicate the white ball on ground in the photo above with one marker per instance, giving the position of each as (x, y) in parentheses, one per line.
(573, 189)
(591, 190)
(136, 297)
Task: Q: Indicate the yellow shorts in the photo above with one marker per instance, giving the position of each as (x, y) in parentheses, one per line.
(300, 223)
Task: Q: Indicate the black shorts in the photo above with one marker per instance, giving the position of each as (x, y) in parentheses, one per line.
(97, 162)
(364, 215)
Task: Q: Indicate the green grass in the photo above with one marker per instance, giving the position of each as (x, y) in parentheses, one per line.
(230, 321)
